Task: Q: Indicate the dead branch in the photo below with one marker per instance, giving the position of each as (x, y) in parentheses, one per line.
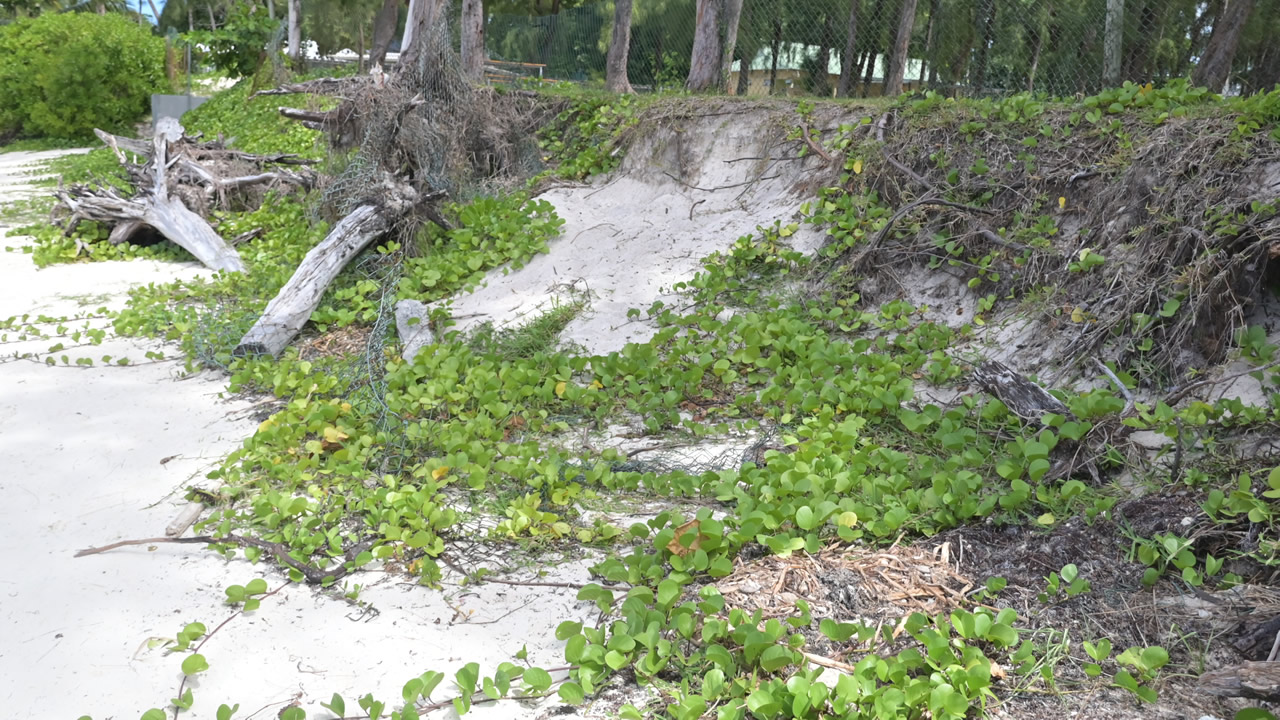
(827, 662)
(881, 125)
(1178, 395)
(313, 119)
(814, 146)
(313, 575)
(931, 197)
(333, 87)
(1128, 396)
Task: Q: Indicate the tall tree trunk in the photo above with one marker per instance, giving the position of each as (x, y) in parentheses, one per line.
(1113, 40)
(987, 18)
(384, 30)
(868, 68)
(926, 60)
(472, 41)
(744, 73)
(875, 27)
(898, 57)
(704, 64)
(420, 34)
(155, 12)
(1137, 57)
(1212, 10)
(360, 50)
(658, 64)
(732, 16)
(406, 39)
(849, 58)
(820, 79)
(1040, 34)
(553, 28)
(615, 79)
(1266, 70)
(1215, 66)
(271, 9)
(213, 23)
(295, 29)
(931, 52)
(745, 54)
(775, 47)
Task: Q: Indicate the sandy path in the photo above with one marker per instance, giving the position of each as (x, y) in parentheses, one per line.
(81, 454)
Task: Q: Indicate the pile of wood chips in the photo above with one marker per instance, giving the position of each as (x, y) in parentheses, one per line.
(843, 581)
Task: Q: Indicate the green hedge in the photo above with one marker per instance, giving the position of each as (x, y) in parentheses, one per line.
(62, 75)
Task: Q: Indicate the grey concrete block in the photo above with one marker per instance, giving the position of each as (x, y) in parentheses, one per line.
(163, 106)
(414, 335)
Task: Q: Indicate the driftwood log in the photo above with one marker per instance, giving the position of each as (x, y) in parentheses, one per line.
(290, 309)
(154, 205)
(1257, 638)
(1024, 398)
(180, 180)
(1253, 680)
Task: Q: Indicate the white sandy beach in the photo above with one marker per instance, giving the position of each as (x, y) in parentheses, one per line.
(90, 456)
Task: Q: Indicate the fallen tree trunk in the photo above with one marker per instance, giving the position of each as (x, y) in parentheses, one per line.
(290, 309)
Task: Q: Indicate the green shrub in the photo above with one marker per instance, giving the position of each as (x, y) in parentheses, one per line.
(63, 74)
(236, 48)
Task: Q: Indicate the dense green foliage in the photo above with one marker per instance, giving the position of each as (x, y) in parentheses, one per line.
(253, 125)
(238, 46)
(62, 75)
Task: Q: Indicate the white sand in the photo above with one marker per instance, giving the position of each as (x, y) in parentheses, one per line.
(683, 191)
(81, 466)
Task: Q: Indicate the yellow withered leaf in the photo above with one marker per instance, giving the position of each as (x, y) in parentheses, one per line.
(677, 547)
(560, 386)
(857, 166)
(1062, 203)
(439, 472)
(333, 435)
(1077, 315)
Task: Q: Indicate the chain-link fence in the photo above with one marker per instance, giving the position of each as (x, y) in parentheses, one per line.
(962, 47)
